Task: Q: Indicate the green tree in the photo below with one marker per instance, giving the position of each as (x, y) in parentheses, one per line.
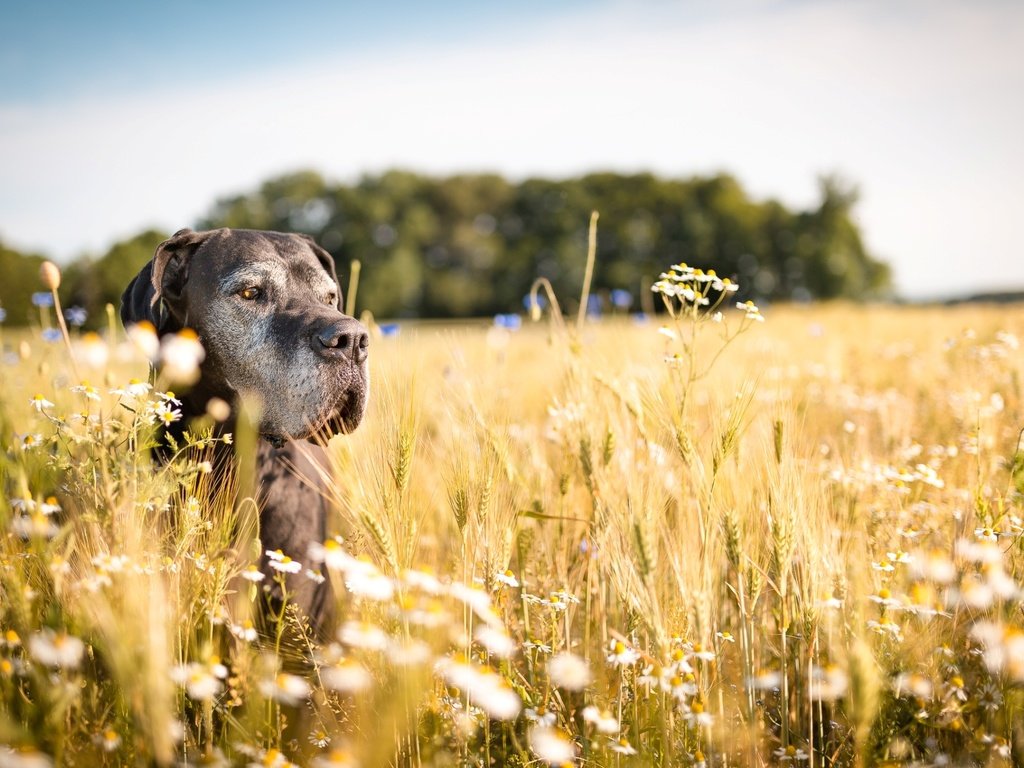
(471, 245)
(829, 245)
(20, 280)
(94, 283)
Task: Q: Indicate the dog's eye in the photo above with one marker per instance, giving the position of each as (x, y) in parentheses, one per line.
(249, 294)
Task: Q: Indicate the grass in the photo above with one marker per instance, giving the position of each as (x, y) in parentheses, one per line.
(715, 543)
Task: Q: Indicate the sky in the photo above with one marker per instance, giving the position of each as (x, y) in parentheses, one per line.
(118, 116)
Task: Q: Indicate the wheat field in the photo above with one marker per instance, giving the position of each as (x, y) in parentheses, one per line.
(699, 540)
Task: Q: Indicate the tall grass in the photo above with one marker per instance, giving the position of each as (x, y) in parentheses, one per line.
(703, 542)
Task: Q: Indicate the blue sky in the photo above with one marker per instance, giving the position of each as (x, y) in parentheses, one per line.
(63, 50)
(119, 116)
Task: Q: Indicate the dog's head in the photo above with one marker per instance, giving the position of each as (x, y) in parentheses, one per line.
(266, 306)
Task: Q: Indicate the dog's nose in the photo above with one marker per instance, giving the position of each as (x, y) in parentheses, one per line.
(345, 338)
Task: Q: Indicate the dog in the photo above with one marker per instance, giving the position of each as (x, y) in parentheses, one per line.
(267, 308)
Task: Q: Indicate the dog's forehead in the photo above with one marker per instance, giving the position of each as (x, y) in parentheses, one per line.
(237, 254)
(239, 247)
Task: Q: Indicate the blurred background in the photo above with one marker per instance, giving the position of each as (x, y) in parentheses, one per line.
(812, 150)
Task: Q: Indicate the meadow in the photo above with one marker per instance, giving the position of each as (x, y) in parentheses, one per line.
(715, 538)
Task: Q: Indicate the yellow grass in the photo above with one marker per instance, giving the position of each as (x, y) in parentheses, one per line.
(808, 555)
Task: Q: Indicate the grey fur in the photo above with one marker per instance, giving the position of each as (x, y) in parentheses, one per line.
(290, 346)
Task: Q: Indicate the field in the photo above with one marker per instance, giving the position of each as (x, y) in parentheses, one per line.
(689, 541)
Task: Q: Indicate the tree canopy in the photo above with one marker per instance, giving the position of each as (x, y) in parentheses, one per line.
(20, 280)
(471, 245)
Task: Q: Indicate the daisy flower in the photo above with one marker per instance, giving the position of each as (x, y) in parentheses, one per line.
(790, 754)
(569, 671)
(56, 650)
(602, 720)
(40, 403)
(622, 746)
(622, 655)
(552, 745)
(166, 413)
(253, 574)
(346, 676)
(87, 390)
(279, 561)
(108, 741)
(507, 578)
(362, 634)
(285, 688)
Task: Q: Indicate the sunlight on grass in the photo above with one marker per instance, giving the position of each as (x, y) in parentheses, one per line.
(697, 540)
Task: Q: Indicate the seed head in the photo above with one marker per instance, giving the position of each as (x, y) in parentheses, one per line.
(49, 273)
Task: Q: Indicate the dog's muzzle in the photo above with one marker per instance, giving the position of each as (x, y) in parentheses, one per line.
(345, 339)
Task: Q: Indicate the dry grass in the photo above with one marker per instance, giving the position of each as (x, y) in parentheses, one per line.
(807, 551)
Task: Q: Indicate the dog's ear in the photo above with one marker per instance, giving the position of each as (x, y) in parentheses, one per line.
(138, 299)
(327, 262)
(155, 294)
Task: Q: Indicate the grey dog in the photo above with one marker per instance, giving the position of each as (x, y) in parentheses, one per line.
(266, 307)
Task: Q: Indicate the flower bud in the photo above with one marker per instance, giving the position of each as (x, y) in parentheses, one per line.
(49, 273)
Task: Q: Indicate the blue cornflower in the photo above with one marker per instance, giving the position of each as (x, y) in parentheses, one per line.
(510, 322)
(42, 299)
(621, 299)
(76, 316)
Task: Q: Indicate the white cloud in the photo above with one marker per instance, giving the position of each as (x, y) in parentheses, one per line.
(918, 104)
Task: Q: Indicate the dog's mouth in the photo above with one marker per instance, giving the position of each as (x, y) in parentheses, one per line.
(339, 418)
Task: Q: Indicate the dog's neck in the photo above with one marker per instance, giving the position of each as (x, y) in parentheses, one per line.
(195, 403)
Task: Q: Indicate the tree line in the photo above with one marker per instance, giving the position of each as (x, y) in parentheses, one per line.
(472, 245)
